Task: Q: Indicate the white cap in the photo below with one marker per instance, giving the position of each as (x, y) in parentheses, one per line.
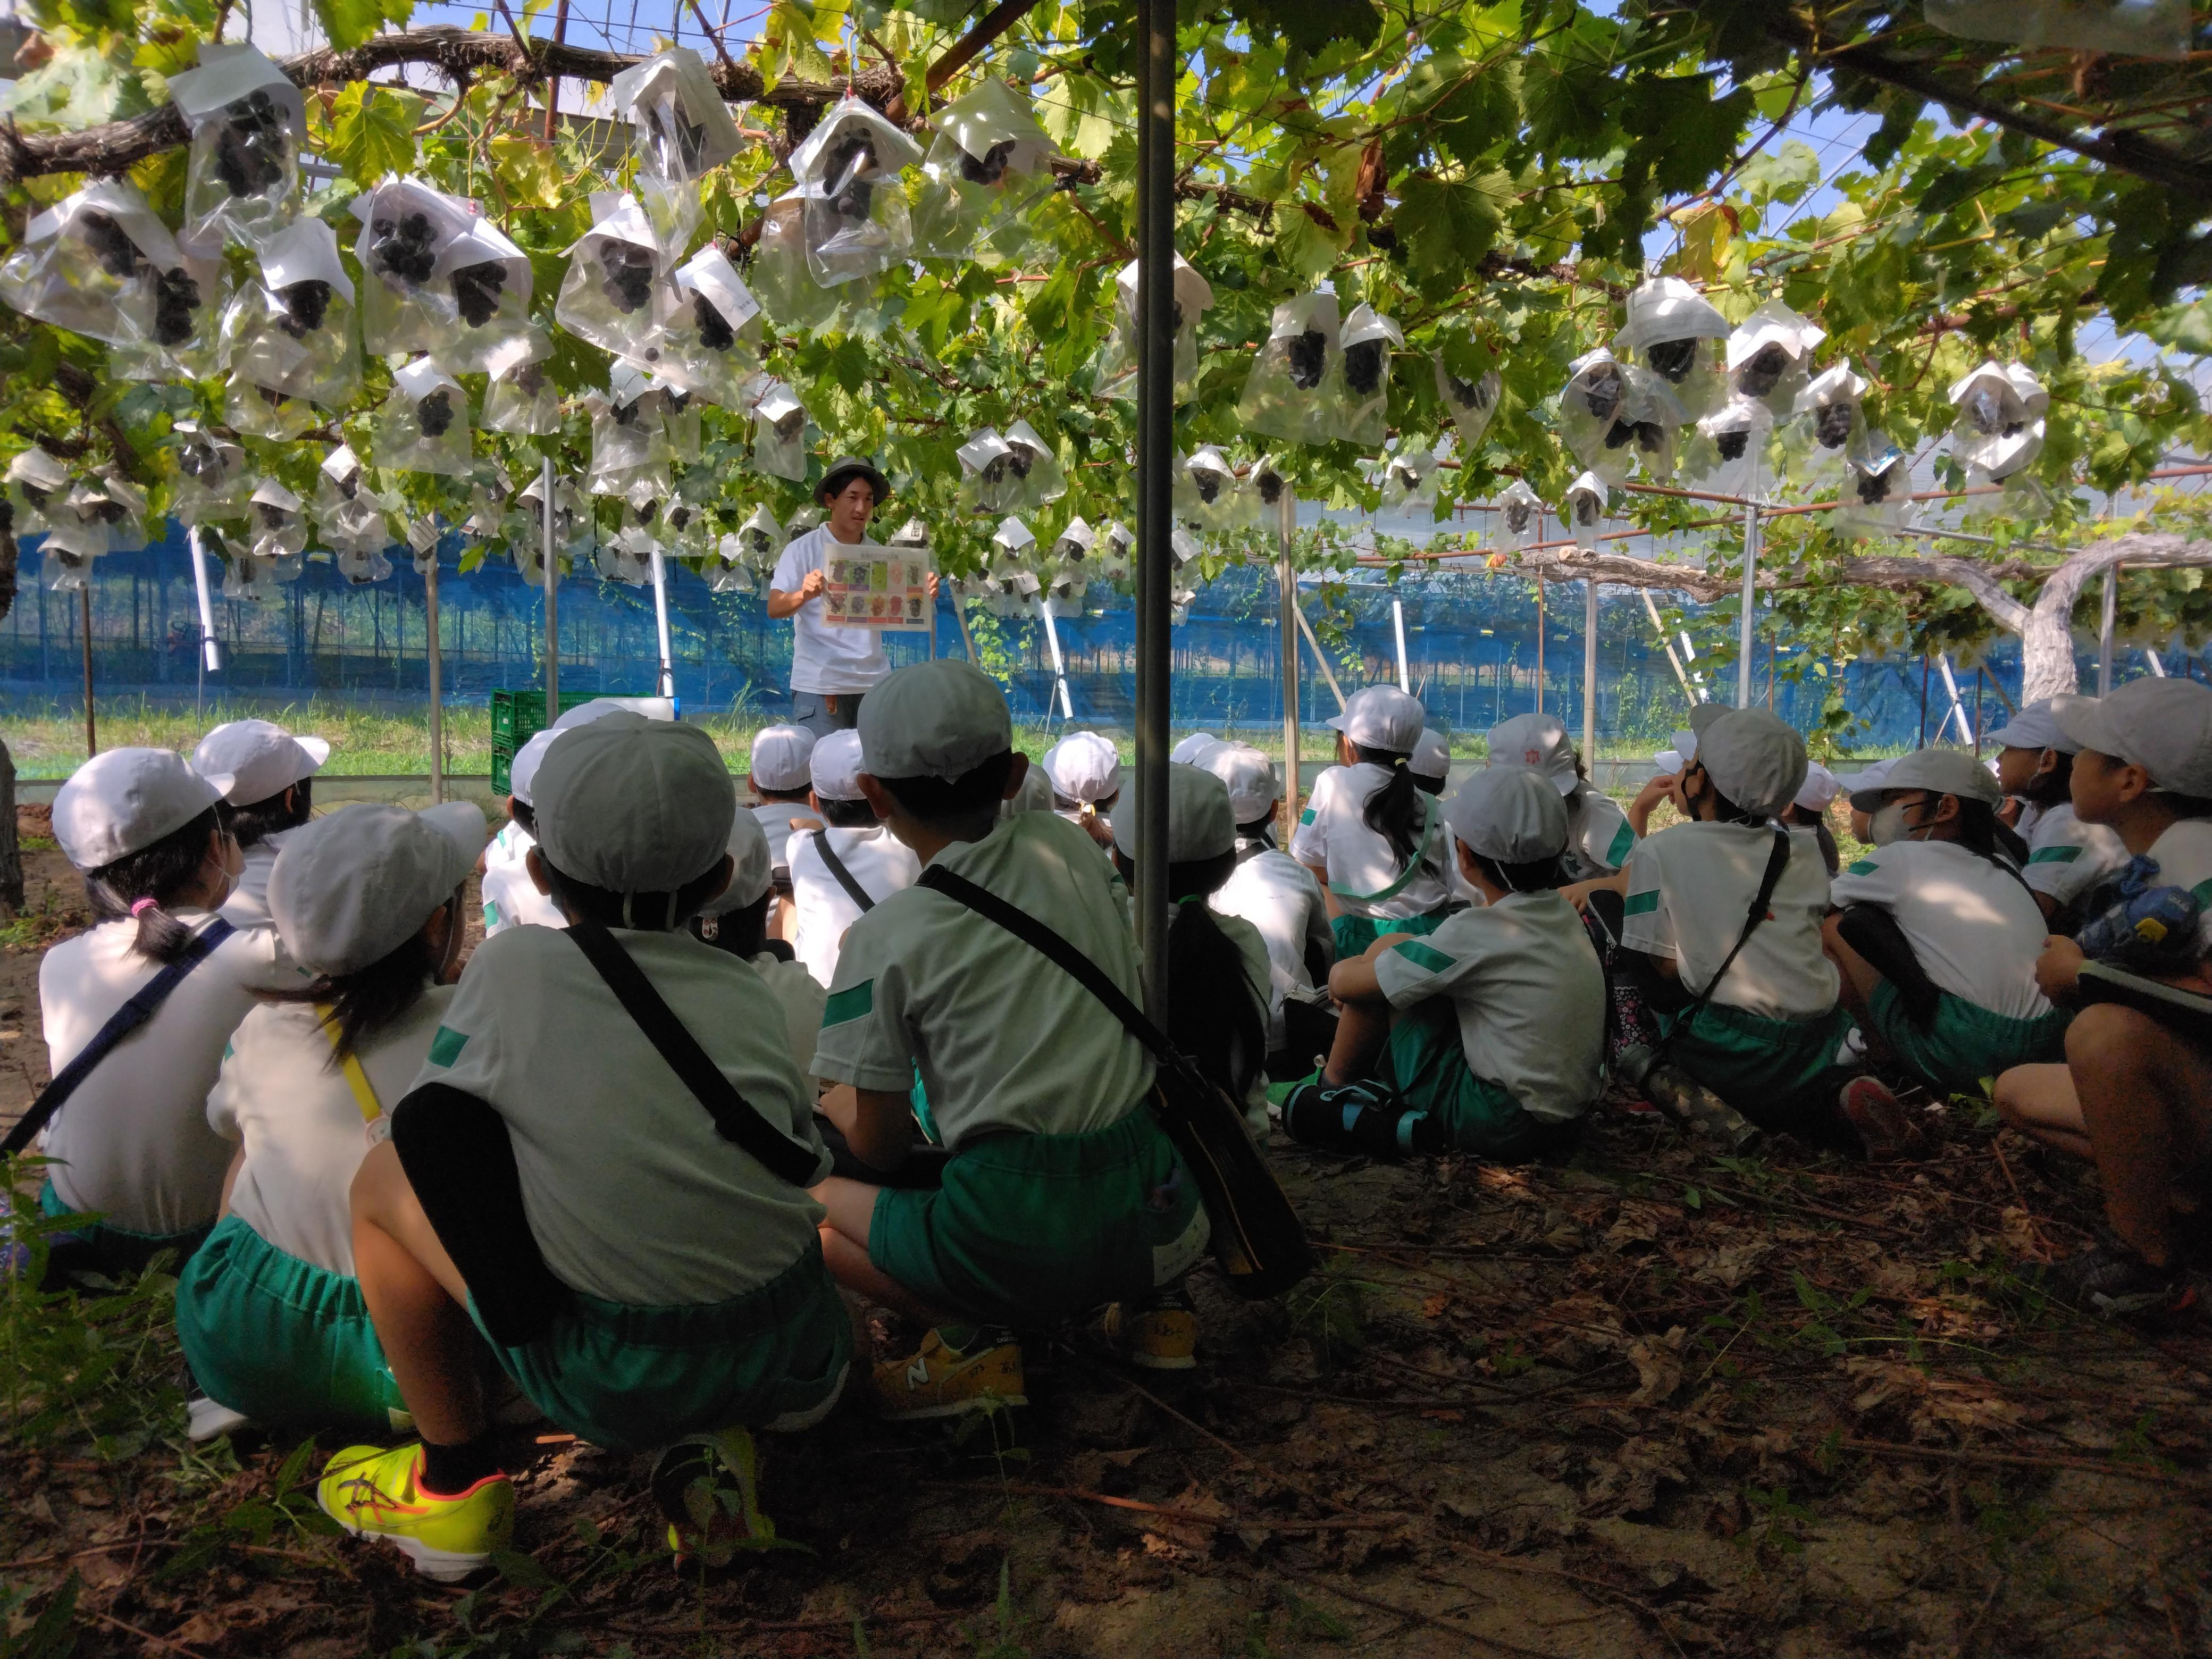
(260, 759)
(1939, 771)
(833, 767)
(349, 889)
(1510, 814)
(1431, 754)
(1200, 822)
(934, 719)
(1249, 777)
(1668, 763)
(123, 801)
(1821, 787)
(1754, 758)
(1867, 778)
(2163, 725)
(2036, 727)
(634, 806)
(1186, 753)
(1083, 767)
(1539, 741)
(654, 709)
(522, 770)
(779, 757)
(1382, 717)
(1684, 738)
(750, 866)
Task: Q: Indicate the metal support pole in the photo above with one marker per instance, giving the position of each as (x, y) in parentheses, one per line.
(1059, 664)
(1326, 672)
(2157, 669)
(2111, 606)
(1539, 645)
(91, 734)
(1156, 82)
(1589, 676)
(665, 685)
(1667, 645)
(1957, 705)
(210, 651)
(1287, 633)
(967, 636)
(1744, 623)
(433, 667)
(1398, 625)
(552, 577)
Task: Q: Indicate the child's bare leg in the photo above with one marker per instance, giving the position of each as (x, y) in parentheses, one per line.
(852, 1207)
(2146, 1102)
(2040, 1102)
(417, 1300)
(1363, 1027)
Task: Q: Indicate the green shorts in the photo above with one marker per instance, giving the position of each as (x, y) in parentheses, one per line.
(1355, 934)
(1426, 1064)
(632, 1378)
(280, 1339)
(1964, 1043)
(1028, 1229)
(1782, 1074)
(117, 1249)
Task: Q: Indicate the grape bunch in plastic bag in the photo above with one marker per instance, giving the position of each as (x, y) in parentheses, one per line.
(1306, 353)
(250, 153)
(399, 250)
(1763, 371)
(989, 168)
(116, 254)
(627, 282)
(715, 333)
(476, 290)
(436, 412)
(1832, 427)
(176, 296)
(306, 305)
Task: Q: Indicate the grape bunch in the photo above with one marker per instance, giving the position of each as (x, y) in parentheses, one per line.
(529, 379)
(627, 414)
(1271, 486)
(399, 251)
(1874, 487)
(306, 305)
(678, 516)
(1647, 435)
(1516, 517)
(1832, 427)
(109, 512)
(715, 333)
(990, 166)
(476, 290)
(272, 516)
(791, 425)
(1732, 444)
(200, 460)
(995, 469)
(674, 402)
(436, 412)
(1468, 394)
(1362, 367)
(1306, 354)
(676, 141)
(1022, 458)
(116, 254)
(1175, 317)
(6, 517)
(1759, 376)
(627, 279)
(176, 296)
(250, 153)
(1603, 391)
(1673, 360)
(1985, 411)
(1208, 484)
(643, 512)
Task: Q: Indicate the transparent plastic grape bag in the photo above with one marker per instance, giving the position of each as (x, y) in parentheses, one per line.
(1678, 335)
(987, 163)
(413, 239)
(1269, 485)
(1583, 511)
(1357, 394)
(574, 533)
(1769, 357)
(424, 426)
(1036, 468)
(1115, 546)
(630, 440)
(1205, 493)
(1825, 420)
(988, 485)
(101, 264)
(278, 521)
(1071, 555)
(1413, 479)
(681, 128)
(2000, 425)
(617, 294)
(711, 343)
(1520, 515)
(244, 577)
(1724, 452)
(38, 486)
(118, 504)
(521, 397)
(1469, 403)
(1116, 373)
(1613, 415)
(211, 483)
(1283, 392)
(857, 221)
(626, 556)
(1876, 499)
(786, 287)
(2129, 28)
(780, 432)
(248, 123)
(74, 538)
(292, 335)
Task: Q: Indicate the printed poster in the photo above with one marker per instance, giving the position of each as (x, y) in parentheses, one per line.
(876, 588)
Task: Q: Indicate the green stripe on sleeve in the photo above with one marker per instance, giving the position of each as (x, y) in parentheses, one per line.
(445, 1047)
(1427, 958)
(2201, 892)
(1623, 844)
(855, 1002)
(1640, 904)
(2055, 855)
(1863, 867)
(1306, 817)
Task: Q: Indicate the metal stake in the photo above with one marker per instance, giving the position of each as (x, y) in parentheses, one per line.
(552, 579)
(1744, 623)
(1155, 89)
(665, 685)
(2111, 606)
(433, 668)
(1287, 595)
(1589, 675)
(91, 735)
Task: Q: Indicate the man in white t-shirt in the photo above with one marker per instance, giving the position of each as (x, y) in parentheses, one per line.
(871, 860)
(832, 667)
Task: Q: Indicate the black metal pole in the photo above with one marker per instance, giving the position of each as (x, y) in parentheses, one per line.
(1156, 82)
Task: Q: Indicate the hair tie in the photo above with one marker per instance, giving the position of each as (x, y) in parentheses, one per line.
(1398, 760)
(145, 904)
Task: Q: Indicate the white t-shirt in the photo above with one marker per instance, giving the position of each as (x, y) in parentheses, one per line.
(1600, 838)
(825, 657)
(303, 1132)
(1003, 1038)
(1332, 835)
(879, 860)
(2066, 857)
(802, 997)
(775, 817)
(1689, 887)
(511, 899)
(249, 903)
(133, 1142)
(1279, 897)
(1530, 994)
(1974, 927)
(631, 1194)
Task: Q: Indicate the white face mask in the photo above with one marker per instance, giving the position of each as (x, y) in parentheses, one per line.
(1887, 824)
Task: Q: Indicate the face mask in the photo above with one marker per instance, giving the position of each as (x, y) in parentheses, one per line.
(1887, 824)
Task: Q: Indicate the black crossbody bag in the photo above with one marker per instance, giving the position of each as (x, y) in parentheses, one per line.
(846, 879)
(1777, 861)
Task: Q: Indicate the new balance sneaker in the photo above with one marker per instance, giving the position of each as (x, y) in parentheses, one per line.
(1885, 1130)
(1160, 1333)
(707, 1486)
(939, 1380)
(375, 1494)
(2112, 1279)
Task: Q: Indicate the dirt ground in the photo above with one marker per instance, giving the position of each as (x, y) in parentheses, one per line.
(1651, 1404)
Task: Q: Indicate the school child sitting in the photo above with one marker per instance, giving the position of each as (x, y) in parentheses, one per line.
(1061, 1192)
(1279, 897)
(1744, 997)
(2066, 858)
(129, 1141)
(2136, 1091)
(781, 781)
(511, 899)
(1488, 1034)
(1188, 750)
(1375, 842)
(1808, 809)
(1085, 770)
(844, 870)
(1668, 766)
(735, 921)
(1866, 782)
(1431, 761)
(368, 902)
(1598, 833)
(601, 1167)
(271, 794)
(1035, 794)
(1948, 989)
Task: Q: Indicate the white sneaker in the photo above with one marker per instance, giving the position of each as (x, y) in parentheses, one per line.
(205, 1420)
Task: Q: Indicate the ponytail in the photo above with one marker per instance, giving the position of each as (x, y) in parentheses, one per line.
(142, 884)
(1981, 830)
(367, 1000)
(1215, 1016)
(1394, 811)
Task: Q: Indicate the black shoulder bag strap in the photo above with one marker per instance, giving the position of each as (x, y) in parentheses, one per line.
(120, 1024)
(853, 890)
(1777, 861)
(737, 1119)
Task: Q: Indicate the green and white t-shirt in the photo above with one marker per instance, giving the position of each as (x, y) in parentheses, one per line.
(511, 899)
(1332, 835)
(1689, 888)
(1973, 927)
(631, 1194)
(1600, 838)
(2066, 857)
(1003, 1038)
(2183, 853)
(1530, 994)
(801, 995)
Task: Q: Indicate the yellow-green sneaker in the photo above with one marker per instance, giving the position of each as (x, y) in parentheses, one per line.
(939, 1380)
(375, 1494)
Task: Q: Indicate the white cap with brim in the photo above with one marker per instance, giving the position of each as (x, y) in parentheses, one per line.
(522, 770)
(1702, 717)
(653, 708)
(1538, 741)
(934, 719)
(1821, 787)
(124, 800)
(1431, 754)
(1939, 771)
(1866, 778)
(1382, 717)
(1186, 753)
(2036, 727)
(1754, 758)
(779, 757)
(633, 806)
(1201, 824)
(1249, 777)
(834, 768)
(1508, 813)
(259, 759)
(349, 889)
(1084, 767)
(751, 870)
(2163, 725)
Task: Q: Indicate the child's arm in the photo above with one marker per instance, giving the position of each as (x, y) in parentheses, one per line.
(1577, 893)
(2058, 969)
(1354, 979)
(1661, 787)
(878, 1125)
